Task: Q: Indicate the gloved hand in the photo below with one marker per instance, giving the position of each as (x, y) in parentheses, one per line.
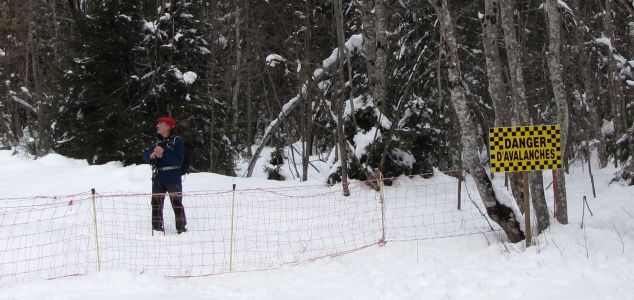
(157, 153)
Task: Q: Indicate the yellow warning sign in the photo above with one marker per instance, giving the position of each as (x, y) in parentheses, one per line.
(525, 148)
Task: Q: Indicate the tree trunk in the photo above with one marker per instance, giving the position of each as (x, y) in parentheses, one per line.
(249, 125)
(379, 87)
(55, 21)
(594, 122)
(517, 86)
(514, 54)
(375, 40)
(495, 76)
(237, 73)
(616, 99)
(343, 145)
(6, 127)
(500, 213)
(497, 89)
(44, 142)
(538, 197)
(212, 160)
(249, 100)
(307, 114)
(555, 69)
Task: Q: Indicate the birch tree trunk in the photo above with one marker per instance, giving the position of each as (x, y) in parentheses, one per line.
(380, 69)
(500, 213)
(375, 40)
(514, 55)
(517, 85)
(497, 90)
(495, 76)
(555, 69)
(380, 87)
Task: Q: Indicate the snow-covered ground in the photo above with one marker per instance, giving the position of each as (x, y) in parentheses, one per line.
(566, 262)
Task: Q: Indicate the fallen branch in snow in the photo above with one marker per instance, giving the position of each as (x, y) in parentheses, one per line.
(583, 212)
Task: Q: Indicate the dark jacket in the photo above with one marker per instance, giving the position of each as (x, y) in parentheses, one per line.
(172, 157)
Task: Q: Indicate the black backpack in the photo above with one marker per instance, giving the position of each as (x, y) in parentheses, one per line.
(185, 169)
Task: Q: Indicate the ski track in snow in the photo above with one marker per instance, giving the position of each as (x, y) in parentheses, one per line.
(562, 265)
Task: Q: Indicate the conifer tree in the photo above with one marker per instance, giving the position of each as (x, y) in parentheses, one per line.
(98, 118)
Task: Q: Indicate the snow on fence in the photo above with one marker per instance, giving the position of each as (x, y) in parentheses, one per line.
(229, 230)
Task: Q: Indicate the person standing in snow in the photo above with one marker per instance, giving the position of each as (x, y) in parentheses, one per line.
(166, 156)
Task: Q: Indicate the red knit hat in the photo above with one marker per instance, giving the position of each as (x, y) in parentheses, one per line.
(167, 120)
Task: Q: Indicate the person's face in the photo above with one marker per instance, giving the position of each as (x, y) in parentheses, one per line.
(163, 129)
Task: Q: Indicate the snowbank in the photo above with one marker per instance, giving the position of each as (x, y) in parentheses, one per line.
(566, 262)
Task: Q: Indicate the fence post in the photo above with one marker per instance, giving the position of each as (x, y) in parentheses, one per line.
(382, 241)
(460, 189)
(583, 211)
(594, 191)
(554, 194)
(94, 222)
(231, 242)
(527, 210)
(585, 201)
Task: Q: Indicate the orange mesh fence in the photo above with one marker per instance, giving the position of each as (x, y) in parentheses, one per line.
(45, 237)
(228, 231)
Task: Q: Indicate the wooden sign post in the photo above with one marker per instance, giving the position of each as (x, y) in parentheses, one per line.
(524, 149)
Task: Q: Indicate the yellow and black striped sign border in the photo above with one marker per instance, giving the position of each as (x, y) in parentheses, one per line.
(498, 135)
